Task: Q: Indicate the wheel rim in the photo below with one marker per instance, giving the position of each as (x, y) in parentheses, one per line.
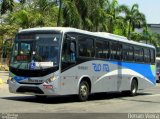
(84, 90)
(134, 88)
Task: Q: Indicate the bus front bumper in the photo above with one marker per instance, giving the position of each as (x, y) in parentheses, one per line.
(42, 89)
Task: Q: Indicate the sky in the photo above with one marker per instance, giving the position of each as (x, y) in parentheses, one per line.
(151, 9)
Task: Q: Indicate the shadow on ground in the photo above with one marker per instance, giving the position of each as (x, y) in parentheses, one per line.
(70, 99)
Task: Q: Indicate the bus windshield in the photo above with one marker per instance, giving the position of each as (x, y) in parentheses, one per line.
(35, 51)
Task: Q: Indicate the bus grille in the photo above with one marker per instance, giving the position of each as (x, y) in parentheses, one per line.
(30, 83)
(31, 89)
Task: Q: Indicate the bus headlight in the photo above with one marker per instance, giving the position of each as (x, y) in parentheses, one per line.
(51, 79)
(13, 80)
(9, 79)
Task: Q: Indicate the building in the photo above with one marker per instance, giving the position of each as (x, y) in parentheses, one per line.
(154, 28)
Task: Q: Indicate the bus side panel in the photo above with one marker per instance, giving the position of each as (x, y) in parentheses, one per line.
(107, 76)
(69, 81)
(102, 74)
(143, 83)
(149, 77)
(144, 73)
(125, 83)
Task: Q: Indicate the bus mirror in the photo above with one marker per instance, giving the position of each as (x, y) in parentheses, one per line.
(72, 47)
(70, 38)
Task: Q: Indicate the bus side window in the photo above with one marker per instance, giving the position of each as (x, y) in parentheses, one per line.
(138, 54)
(116, 51)
(152, 53)
(146, 56)
(64, 52)
(127, 52)
(86, 47)
(99, 49)
(69, 51)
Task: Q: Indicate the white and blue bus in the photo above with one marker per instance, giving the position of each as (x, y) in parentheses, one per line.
(64, 61)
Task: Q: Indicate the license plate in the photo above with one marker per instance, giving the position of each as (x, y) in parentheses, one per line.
(35, 81)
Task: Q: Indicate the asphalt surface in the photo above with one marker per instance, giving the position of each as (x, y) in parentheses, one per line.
(104, 105)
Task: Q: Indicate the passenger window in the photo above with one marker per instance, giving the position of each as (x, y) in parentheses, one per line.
(99, 49)
(86, 47)
(67, 54)
(106, 50)
(102, 49)
(138, 54)
(127, 53)
(152, 55)
(146, 56)
(116, 51)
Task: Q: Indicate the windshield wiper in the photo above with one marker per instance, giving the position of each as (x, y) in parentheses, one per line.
(35, 59)
(18, 67)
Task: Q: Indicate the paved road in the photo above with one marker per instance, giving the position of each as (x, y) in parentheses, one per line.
(4, 76)
(144, 102)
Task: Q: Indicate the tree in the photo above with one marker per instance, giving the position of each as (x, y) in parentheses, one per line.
(59, 13)
(134, 18)
(113, 11)
(84, 14)
(7, 5)
(71, 16)
(83, 7)
(7, 32)
(97, 15)
(22, 1)
(36, 13)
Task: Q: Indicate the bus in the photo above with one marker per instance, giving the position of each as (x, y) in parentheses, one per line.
(51, 61)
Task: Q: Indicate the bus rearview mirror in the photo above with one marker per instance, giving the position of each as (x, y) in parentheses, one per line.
(72, 47)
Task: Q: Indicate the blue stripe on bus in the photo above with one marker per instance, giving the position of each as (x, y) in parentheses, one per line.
(18, 78)
(143, 69)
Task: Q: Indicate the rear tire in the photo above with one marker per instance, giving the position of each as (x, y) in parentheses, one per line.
(134, 88)
(83, 91)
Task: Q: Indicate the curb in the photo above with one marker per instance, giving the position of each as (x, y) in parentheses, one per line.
(1, 81)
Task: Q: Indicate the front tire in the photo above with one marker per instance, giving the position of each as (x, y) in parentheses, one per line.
(83, 91)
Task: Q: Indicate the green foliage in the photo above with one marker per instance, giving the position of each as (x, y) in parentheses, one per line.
(134, 18)
(7, 5)
(7, 32)
(92, 15)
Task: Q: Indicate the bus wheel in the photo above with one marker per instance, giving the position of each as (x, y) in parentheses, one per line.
(134, 87)
(83, 91)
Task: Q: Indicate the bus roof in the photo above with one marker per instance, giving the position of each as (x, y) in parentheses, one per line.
(97, 34)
